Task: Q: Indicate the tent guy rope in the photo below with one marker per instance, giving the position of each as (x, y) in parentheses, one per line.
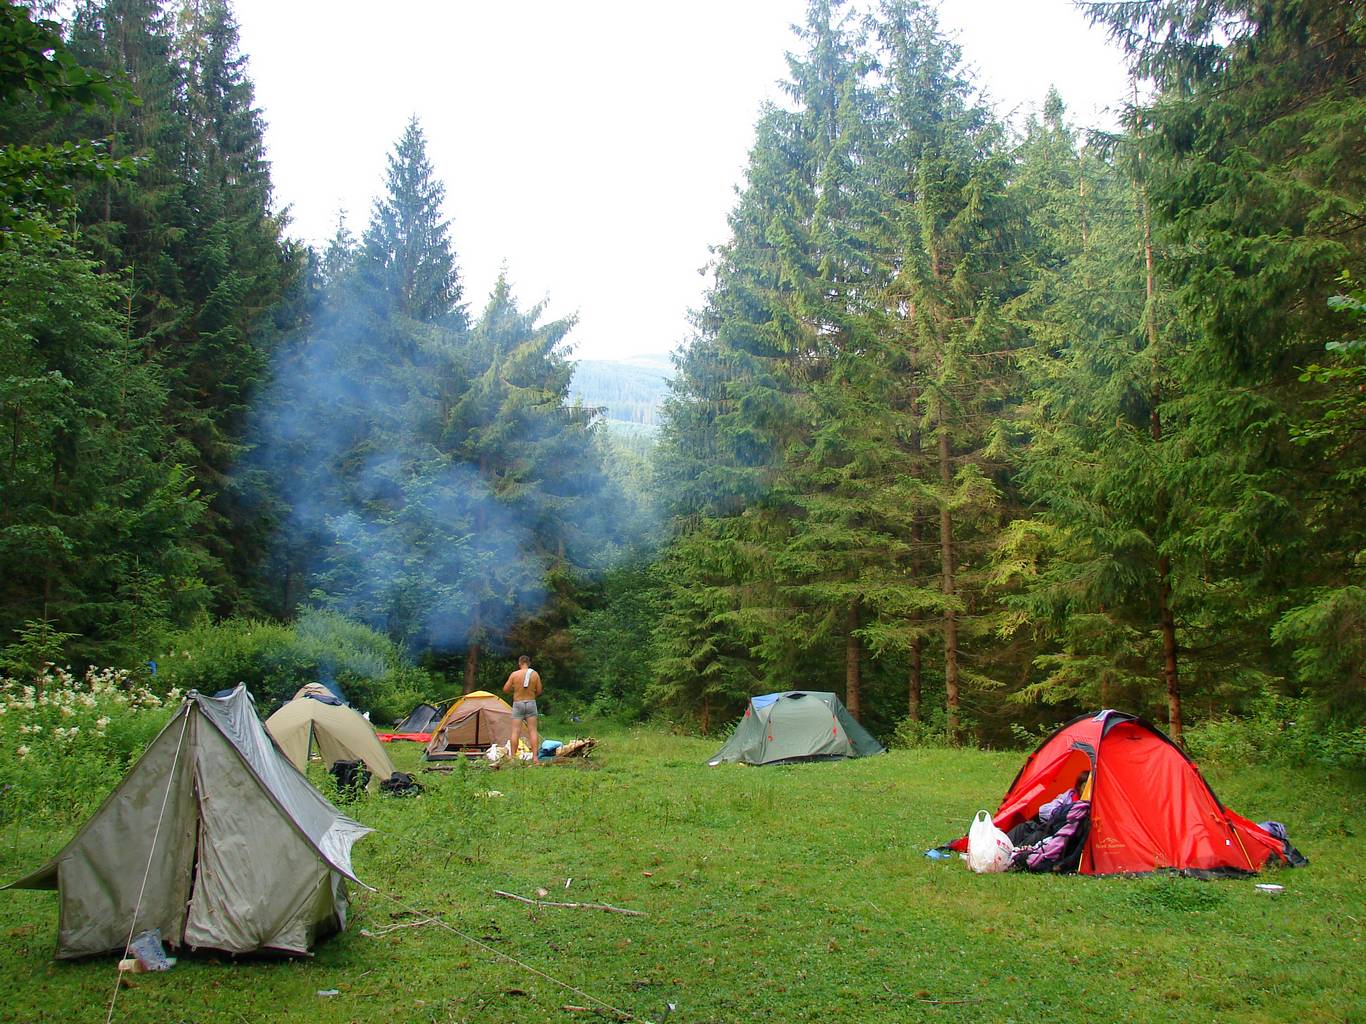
(439, 922)
(571, 906)
(151, 853)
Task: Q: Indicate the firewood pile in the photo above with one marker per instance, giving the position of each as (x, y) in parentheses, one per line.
(581, 747)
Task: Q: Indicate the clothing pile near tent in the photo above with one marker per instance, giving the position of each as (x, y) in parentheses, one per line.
(470, 726)
(1150, 808)
(799, 725)
(239, 852)
(340, 732)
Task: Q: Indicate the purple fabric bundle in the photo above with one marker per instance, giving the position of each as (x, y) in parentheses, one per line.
(1044, 855)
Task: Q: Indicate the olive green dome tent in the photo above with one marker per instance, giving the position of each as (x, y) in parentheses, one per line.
(212, 837)
(799, 725)
(339, 731)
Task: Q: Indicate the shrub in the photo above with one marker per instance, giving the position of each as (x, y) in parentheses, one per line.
(275, 659)
(1280, 731)
(66, 742)
(928, 733)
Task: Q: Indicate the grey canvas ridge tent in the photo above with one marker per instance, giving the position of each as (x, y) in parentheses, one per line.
(249, 856)
(797, 725)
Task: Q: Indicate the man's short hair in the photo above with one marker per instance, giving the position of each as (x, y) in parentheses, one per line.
(524, 660)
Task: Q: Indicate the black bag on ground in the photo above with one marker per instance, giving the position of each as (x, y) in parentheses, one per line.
(401, 784)
(352, 777)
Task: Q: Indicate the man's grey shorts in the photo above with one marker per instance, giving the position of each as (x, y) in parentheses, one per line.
(523, 709)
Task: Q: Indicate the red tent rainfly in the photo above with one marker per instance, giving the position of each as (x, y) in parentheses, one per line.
(1151, 809)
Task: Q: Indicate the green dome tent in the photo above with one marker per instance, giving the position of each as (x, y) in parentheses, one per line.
(799, 725)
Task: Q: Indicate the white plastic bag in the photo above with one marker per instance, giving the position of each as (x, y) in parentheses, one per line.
(989, 848)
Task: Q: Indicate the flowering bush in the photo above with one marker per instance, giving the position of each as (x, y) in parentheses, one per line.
(65, 742)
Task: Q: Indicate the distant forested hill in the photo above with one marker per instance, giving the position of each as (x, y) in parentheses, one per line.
(628, 392)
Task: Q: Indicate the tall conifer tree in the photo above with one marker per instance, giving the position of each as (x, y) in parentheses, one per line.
(949, 230)
(197, 233)
(1255, 187)
(406, 253)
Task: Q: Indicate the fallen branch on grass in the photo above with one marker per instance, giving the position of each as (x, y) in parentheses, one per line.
(571, 906)
(571, 1008)
(395, 927)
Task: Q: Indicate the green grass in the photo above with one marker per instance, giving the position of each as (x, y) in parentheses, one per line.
(790, 893)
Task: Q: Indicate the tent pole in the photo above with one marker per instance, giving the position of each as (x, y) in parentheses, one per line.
(1240, 844)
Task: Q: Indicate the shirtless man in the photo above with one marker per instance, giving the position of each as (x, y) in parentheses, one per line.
(525, 686)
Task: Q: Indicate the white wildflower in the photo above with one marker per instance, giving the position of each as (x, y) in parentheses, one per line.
(22, 751)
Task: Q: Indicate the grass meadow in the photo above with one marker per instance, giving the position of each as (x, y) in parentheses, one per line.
(790, 893)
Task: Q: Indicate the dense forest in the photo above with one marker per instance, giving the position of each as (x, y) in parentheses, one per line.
(623, 391)
(981, 424)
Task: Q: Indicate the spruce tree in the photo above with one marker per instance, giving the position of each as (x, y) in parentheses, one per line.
(196, 231)
(406, 253)
(947, 237)
(95, 532)
(1101, 564)
(510, 425)
(1254, 185)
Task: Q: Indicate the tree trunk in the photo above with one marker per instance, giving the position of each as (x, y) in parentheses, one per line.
(472, 653)
(1081, 206)
(917, 537)
(946, 569)
(1166, 618)
(913, 704)
(852, 650)
(1168, 623)
(471, 665)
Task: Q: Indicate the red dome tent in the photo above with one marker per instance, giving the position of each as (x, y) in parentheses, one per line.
(1151, 809)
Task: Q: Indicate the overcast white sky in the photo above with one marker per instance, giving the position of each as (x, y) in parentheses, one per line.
(593, 147)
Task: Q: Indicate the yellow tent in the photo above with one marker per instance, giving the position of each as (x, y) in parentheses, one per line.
(473, 723)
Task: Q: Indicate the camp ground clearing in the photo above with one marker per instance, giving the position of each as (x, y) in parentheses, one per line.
(780, 893)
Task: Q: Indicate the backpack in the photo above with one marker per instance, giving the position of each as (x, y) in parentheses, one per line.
(352, 777)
